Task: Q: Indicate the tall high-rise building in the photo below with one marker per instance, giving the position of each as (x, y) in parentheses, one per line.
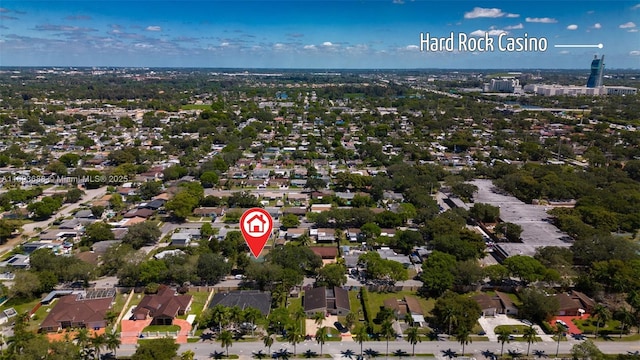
(597, 70)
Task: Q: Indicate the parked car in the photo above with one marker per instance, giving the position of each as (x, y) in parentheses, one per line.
(526, 322)
(340, 327)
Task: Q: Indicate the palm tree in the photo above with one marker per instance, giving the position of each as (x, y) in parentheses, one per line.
(235, 315)
(82, 337)
(226, 340)
(350, 319)
(361, 335)
(464, 337)
(602, 314)
(529, 335)
(413, 337)
(187, 355)
(267, 340)
(251, 315)
(386, 330)
(504, 335)
(294, 337)
(219, 315)
(321, 337)
(559, 330)
(450, 316)
(113, 342)
(298, 316)
(98, 342)
(318, 318)
(626, 318)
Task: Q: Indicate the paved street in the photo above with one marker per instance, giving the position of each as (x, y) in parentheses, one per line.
(245, 349)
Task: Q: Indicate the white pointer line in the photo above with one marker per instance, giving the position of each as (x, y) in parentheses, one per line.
(599, 46)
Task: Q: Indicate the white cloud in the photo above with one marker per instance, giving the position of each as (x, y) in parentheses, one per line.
(513, 15)
(628, 25)
(515, 27)
(636, 7)
(479, 12)
(564, 52)
(279, 46)
(412, 47)
(492, 32)
(544, 20)
(154, 28)
(632, 30)
(309, 47)
(634, 53)
(224, 44)
(597, 26)
(399, 2)
(327, 43)
(572, 27)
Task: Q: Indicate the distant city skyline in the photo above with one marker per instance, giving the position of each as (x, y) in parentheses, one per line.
(346, 34)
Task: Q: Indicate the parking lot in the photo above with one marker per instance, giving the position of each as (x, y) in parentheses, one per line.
(537, 231)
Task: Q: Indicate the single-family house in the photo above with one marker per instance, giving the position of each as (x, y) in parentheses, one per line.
(332, 300)
(243, 299)
(162, 307)
(73, 311)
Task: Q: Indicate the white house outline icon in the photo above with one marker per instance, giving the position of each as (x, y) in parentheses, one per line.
(256, 224)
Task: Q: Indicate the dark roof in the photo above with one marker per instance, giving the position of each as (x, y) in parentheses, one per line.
(244, 299)
(165, 303)
(315, 298)
(72, 309)
(154, 204)
(487, 302)
(586, 301)
(322, 297)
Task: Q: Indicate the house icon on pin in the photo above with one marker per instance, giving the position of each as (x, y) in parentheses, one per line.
(256, 223)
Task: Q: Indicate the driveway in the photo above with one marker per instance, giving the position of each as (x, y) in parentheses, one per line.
(489, 324)
(573, 329)
(328, 321)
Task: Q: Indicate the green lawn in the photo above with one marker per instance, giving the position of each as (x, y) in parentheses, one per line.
(21, 305)
(197, 306)
(588, 326)
(356, 305)
(161, 328)
(376, 300)
(514, 329)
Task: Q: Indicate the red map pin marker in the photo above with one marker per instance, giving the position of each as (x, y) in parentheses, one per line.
(256, 225)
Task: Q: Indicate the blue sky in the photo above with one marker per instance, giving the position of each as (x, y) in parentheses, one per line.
(310, 34)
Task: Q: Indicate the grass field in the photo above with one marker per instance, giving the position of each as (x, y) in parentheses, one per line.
(199, 298)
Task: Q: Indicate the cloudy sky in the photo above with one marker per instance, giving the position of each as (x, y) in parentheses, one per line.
(310, 33)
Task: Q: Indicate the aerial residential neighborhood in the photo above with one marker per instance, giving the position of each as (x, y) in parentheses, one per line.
(318, 179)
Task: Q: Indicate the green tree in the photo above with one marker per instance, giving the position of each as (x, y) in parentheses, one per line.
(113, 342)
(142, 234)
(331, 275)
(463, 336)
(226, 340)
(526, 268)
(537, 306)
(294, 336)
(318, 317)
(267, 340)
(212, 267)
(602, 315)
(586, 350)
(98, 342)
(361, 335)
(529, 335)
(413, 337)
(182, 205)
(437, 273)
(98, 231)
(558, 332)
(209, 179)
(387, 332)
(156, 349)
(290, 221)
(504, 335)
(321, 337)
(510, 231)
(485, 213)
